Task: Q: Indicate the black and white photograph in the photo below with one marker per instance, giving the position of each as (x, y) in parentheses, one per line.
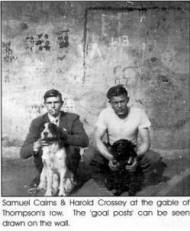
(95, 99)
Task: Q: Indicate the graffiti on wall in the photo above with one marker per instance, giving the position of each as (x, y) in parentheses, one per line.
(7, 52)
(68, 104)
(36, 109)
(63, 38)
(39, 42)
(126, 75)
(62, 42)
(6, 76)
(42, 41)
(110, 24)
(29, 43)
(121, 41)
(94, 49)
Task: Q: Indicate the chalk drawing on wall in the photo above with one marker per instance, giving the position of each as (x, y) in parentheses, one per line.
(121, 41)
(131, 76)
(37, 42)
(7, 52)
(63, 38)
(29, 43)
(62, 43)
(6, 76)
(68, 105)
(43, 42)
(127, 76)
(94, 51)
(35, 109)
(104, 39)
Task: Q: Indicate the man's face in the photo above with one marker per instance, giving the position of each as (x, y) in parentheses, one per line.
(119, 105)
(53, 105)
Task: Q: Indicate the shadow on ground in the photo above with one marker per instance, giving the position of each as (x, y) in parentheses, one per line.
(17, 173)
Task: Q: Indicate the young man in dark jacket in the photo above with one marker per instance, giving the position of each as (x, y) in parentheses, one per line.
(76, 136)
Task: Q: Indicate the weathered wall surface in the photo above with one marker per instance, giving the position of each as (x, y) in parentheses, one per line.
(83, 51)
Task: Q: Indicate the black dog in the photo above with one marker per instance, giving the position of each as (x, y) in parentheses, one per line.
(121, 180)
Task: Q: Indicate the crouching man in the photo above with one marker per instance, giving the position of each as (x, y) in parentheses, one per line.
(71, 125)
(119, 122)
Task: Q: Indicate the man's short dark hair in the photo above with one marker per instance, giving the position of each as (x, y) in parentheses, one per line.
(116, 91)
(52, 93)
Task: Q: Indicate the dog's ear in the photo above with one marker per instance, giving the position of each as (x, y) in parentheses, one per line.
(53, 128)
(41, 127)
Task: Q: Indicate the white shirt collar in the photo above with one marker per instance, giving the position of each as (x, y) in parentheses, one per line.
(54, 120)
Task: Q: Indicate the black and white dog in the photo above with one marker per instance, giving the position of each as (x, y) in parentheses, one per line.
(56, 177)
(121, 179)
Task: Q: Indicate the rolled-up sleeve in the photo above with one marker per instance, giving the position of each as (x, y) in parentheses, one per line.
(101, 121)
(144, 120)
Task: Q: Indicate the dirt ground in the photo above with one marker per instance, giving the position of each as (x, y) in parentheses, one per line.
(17, 173)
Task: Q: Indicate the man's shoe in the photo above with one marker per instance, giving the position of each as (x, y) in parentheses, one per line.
(32, 188)
(35, 182)
(116, 192)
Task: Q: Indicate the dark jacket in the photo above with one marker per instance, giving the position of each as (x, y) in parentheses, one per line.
(70, 121)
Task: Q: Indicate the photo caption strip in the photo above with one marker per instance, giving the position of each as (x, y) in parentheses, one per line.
(68, 213)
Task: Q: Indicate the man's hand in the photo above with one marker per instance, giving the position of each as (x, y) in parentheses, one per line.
(132, 167)
(114, 165)
(144, 161)
(64, 134)
(38, 144)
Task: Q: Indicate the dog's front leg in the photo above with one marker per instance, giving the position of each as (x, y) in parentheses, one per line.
(55, 185)
(43, 179)
(69, 183)
(62, 191)
(49, 182)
